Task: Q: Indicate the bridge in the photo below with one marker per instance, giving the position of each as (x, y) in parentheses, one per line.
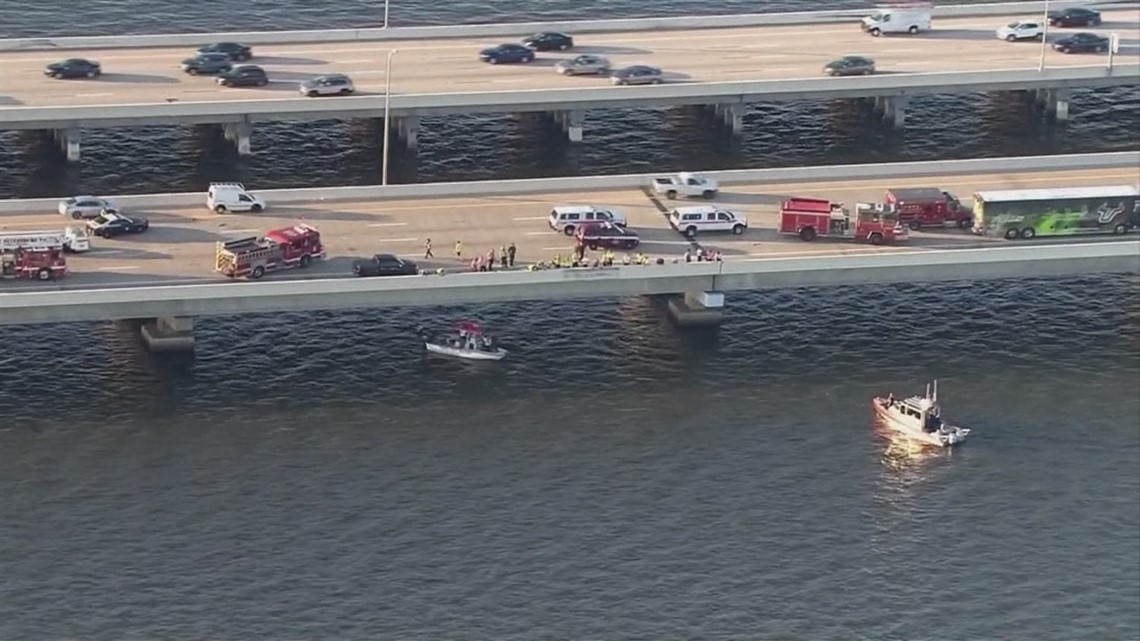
(165, 275)
(721, 67)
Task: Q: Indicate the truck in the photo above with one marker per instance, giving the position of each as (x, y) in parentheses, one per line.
(899, 17)
(32, 255)
(1072, 211)
(285, 248)
(810, 218)
(686, 184)
(927, 207)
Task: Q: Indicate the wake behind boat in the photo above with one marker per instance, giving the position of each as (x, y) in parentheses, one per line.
(919, 418)
(468, 342)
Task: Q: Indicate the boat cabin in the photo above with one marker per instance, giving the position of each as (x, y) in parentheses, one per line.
(471, 337)
(921, 411)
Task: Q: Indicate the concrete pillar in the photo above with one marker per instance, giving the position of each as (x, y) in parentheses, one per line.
(571, 123)
(238, 133)
(697, 309)
(169, 334)
(897, 110)
(407, 130)
(68, 141)
(730, 116)
(880, 106)
(1057, 103)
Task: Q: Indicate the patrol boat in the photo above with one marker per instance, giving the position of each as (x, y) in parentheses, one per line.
(467, 342)
(919, 418)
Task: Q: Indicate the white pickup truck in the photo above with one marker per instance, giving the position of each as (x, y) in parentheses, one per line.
(686, 184)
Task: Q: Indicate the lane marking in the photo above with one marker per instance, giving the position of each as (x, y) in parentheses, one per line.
(93, 95)
(399, 240)
(387, 224)
(117, 268)
(537, 233)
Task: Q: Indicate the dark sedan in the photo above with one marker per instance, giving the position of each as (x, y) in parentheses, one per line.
(1075, 17)
(549, 41)
(73, 68)
(109, 225)
(637, 75)
(207, 63)
(243, 76)
(1082, 43)
(607, 235)
(384, 265)
(506, 53)
(237, 52)
(850, 66)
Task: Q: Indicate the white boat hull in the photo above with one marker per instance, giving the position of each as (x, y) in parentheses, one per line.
(467, 354)
(948, 436)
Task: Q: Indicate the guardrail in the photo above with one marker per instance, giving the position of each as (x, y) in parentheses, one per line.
(306, 295)
(216, 112)
(508, 29)
(568, 185)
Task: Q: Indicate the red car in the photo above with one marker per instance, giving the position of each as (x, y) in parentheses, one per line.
(607, 235)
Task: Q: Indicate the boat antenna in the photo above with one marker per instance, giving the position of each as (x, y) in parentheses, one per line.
(935, 399)
(928, 390)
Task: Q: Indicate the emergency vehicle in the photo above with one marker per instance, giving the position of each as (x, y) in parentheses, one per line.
(285, 248)
(810, 218)
(32, 255)
(928, 207)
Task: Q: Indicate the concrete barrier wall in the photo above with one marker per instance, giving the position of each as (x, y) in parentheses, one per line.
(511, 29)
(264, 297)
(783, 175)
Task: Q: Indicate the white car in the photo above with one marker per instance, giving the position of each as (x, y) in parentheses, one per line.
(567, 218)
(1021, 30)
(79, 207)
(227, 197)
(692, 220)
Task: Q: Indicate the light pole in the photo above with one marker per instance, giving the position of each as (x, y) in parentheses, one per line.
(385, 14)
(1044, 36)
(387, 114)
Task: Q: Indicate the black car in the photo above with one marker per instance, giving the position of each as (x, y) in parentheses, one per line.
(384, 265)
(243, 76)
(236, 52)
(506, 53)
(73, 68)
(549, 41)
(1075, 17)
(109, 225)
(207, 63)
(1083, 42)
(607, 235)
(850, 66)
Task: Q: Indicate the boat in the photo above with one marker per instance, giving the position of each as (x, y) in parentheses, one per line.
(919, 418)
(468, 341)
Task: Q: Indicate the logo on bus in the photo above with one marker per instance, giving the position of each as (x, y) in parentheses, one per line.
(1106, 213)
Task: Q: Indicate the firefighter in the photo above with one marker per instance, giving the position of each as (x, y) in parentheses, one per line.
(427, 249)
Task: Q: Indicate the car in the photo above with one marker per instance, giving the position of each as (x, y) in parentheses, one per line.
(506, 53)
(566, 218)
(637, 75)
(236, 52)
(207, 63)
(549, 41)
(1082, 42)
(79, 207)
(109, 224)
(1074, 17)
(584, 64)
(691, 220)
(384, 265)
(850, 66)
(331, 85)
(74, 68)
(243, 76)
(597, 235)
(1021, 30)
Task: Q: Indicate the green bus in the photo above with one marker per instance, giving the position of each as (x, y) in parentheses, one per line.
(1028, 213)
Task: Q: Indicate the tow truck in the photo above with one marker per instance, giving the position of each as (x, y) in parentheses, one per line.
(284, 248)
(810, 218)
(32, 255)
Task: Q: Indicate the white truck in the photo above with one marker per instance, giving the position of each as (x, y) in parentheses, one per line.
(227, 197)
(686, 184)
(899, 18)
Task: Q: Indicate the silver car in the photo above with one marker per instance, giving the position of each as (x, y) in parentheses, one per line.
(79, 207)
(332, 85)
(637, 75)
(596, 65)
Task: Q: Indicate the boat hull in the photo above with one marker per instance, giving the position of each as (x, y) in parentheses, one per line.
(948, 438)
(466, 354)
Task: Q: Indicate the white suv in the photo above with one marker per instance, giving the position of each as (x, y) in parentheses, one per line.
(568, 218)
(691, 220)
(1021, 30)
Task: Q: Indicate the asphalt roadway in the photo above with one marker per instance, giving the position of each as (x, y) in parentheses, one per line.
(179, 247)
(452, 65)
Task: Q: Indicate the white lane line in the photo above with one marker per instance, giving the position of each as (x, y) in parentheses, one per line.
(120, 268)
(537, 233)
(93, 95)
(387, 224)
(530, 218)
(398, 240)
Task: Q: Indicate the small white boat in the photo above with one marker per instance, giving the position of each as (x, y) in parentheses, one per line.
(468, 342)
(919, 418)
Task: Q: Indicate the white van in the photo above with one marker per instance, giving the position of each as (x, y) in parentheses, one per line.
(902, 19)
(690, 220)
(568, 218)
(226, 197)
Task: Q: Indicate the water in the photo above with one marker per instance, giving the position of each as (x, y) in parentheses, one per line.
(313, 476)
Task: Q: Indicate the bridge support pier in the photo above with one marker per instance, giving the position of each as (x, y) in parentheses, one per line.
(731, 116)
(697, 309)
(238, 133)
(893, 109)
(571, 123)
(169, 334)
(68, 141)
(408, 130)
(1057, 103)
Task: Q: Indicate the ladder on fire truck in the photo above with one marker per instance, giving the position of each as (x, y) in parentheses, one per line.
(11, 241)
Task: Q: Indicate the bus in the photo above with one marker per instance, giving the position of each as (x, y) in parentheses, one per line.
(1028, 213)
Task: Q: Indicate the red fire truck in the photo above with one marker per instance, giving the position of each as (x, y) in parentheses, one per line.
(284, 248)
(810, 218)
(928, 207)
(35, 255)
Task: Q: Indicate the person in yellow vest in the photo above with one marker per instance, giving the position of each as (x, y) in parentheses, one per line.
(459, 250)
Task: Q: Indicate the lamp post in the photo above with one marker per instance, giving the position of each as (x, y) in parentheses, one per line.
(387, 114)
(385, 14)
(1044, 36)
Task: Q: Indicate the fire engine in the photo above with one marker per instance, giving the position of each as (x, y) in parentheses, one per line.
(32, 255)
(810, 218)
(284, 248)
